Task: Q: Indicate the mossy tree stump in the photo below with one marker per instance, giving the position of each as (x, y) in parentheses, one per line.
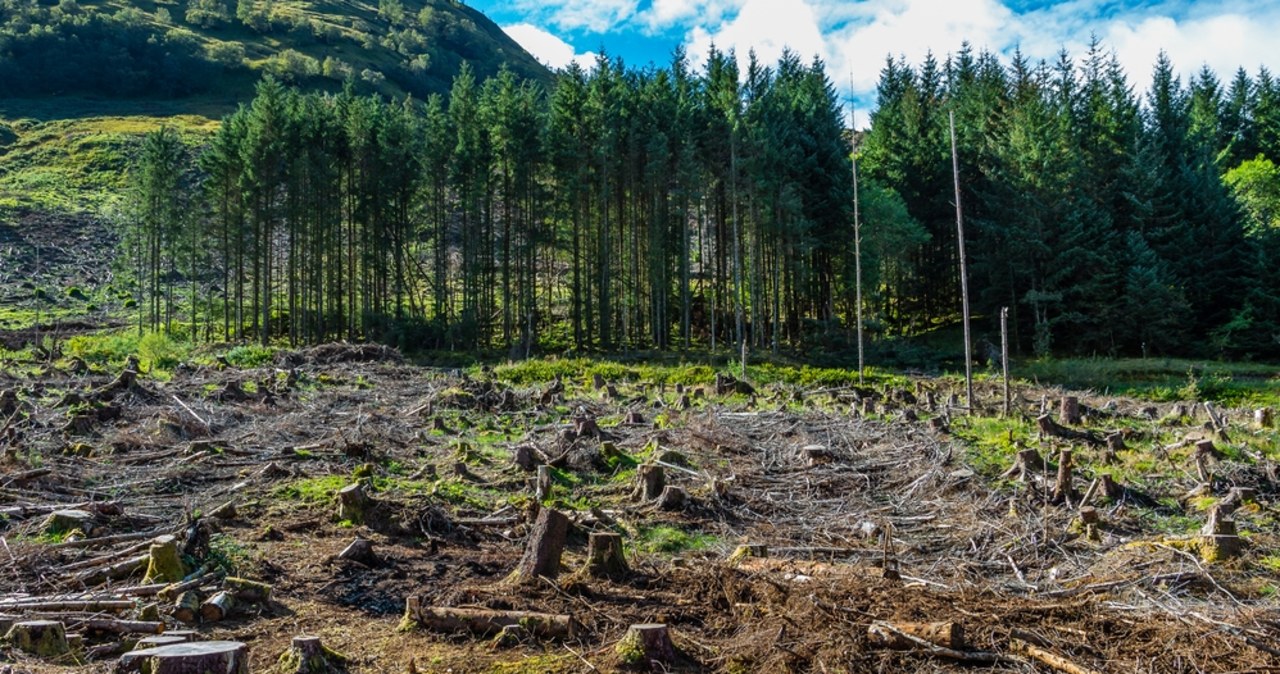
(164, 564)
(544, 548)
(308, 655)
(652, 480)
(353, 503)
(197, 657)
(41, 638)
(604, 556)
(647, 646)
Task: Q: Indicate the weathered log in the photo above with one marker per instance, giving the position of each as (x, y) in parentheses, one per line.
(651, 482)
(648, 645)
(944, 634)
(604, 556)
(544, 547)
(41, 638)
(224, 657)
(308, 655)
(72, 605)
(116, 571)
(196, 580)
(486, 622)
(218, 607)
(186, 608)
(245, 590)
(121, 626)
(164, 565)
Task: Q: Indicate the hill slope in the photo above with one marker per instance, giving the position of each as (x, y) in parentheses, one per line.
(219, 48)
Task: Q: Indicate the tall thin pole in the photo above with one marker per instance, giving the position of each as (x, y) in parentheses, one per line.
(964, 270)
(1004, 354)
(857, 233)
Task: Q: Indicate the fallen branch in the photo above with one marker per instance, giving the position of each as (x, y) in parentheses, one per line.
(985, 657)
(1048, 659)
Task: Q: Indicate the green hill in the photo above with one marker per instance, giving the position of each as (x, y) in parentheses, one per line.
(217, 49)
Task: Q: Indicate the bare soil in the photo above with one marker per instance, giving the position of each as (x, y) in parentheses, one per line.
(868, 517)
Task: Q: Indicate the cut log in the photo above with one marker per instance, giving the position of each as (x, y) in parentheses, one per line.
(245, 590)
(486, 622)
(1069, 411)
(648, 645)
(651, 482)
(121, 626)
(159, 640)
(187, 607)
(1049, 659)
(673, 498)
(944, 634)
(41, 638)
(308, 655)
(164, 565)
(196, 580)
(360, 550)
(196, 657)
(604, 556)
(218, 607)
(115, 571)
(544, 547)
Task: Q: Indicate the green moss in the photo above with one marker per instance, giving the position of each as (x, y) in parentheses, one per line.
(312, 490)
(670, 540)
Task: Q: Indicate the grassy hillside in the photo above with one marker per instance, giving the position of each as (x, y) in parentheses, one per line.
(218, 48)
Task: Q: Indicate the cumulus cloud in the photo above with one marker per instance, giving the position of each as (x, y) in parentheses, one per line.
(551, 50)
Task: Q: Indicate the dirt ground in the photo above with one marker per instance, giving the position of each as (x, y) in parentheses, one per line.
(871, 511)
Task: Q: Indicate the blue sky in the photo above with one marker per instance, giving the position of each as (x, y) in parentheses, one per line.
(854, 37)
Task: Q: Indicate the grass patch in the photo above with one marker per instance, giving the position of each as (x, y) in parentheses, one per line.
(670, 540)
(313, 490)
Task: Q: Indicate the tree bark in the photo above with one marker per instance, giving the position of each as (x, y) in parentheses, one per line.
(196, 657)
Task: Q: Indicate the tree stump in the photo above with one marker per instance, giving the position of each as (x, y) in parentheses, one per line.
(525, 458)
(938, 424)
(1089, 515)
(542, 487)
(647, 645)
(1062, 487)
(633, 418)
(1111, 488)
(673, 498)
(1219, 539)
(41, 638)
(598, 382)
(1069, 411)
(1264, 418)
(545, 546)
(510, 636)
(604, 556)
(1027, 463)
(817, 455)
(197, 657)
(353, 503)
(66, 521)
(1115, 444)
(652, 480)
(360, 550)
(164, 564)
(586, 427)
(217, 607)
(186, 608)
(308, 655)
(226, 511)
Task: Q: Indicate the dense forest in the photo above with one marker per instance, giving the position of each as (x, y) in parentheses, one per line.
(672, 208)
(167, 48)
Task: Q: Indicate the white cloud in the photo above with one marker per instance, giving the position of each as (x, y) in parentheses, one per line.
(597, 16)
(551, 50)
(768, 27)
